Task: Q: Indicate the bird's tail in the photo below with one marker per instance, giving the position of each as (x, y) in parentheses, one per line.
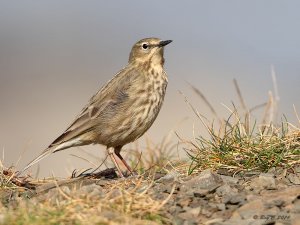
(44, 154)
(53, 148)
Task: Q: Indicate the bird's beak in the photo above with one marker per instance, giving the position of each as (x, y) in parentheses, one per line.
(164, 43)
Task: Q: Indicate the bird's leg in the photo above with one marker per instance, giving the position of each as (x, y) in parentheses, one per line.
(112, 157)
(117, 152)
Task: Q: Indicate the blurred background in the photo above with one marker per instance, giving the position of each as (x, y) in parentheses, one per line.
(54, 55)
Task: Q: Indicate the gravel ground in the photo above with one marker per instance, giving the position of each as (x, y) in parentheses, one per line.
(208, 197)
(251, 198)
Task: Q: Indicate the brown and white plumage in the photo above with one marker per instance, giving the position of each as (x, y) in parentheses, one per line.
(123, 109)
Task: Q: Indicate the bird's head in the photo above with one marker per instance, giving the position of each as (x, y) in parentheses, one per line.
(148, 50)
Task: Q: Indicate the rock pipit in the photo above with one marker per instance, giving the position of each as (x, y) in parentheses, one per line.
(123, 109)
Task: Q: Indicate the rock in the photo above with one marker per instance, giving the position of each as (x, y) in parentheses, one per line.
(264, 181)
(245, 222)
(194, 211)
(200, 193)
(207, 211)
(268, 206)
(225, 190)
(272, 170)
(159, 188)
(251, 173)
(281, 172)
(274, 203)
(103, 182)
(215, 221)
(221, 206)
(270, 215)
(294, 207)
(249, 210)
(110, 215)
(229, 179)
(251, 197)
(224, 171)
(217, 206)
(205, 180)
(281, 185)
(158, 175)
(294, 178)
(115, 193)
(184, 201)
(55, 194)
(267, 181)
(230, 195)
(174, 210)
(295, 220)
(170, 177)
(187, 216)
(284, 182)
(177, 221)
(91, 188)
(235, 199)
(297, 169)
(284, 197)
(2, 218)
(66, 190)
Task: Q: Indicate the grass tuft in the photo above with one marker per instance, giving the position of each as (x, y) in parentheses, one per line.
(233, 148)
(237, 144)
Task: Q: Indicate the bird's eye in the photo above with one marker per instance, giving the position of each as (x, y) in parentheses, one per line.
(145, 46)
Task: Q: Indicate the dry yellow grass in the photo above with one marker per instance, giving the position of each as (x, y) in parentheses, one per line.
(121, 201)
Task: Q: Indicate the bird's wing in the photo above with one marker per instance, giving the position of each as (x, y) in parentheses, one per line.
(113, 94)
(110, 95)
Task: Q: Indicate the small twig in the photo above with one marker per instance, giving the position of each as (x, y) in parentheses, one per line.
(197, 114)
(80, 157)
(239, 93)
(61, 191)
(167, 199)
(296, 113)
(201, 95)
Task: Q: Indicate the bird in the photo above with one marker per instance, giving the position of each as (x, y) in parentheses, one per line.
(123, 109)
